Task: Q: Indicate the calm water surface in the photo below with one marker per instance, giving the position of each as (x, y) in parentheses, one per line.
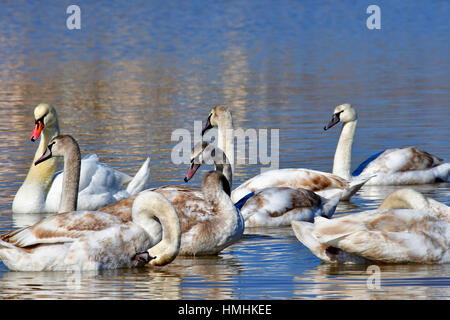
(135, 73)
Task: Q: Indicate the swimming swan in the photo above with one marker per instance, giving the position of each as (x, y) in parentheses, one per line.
(83, 240)
(406, 228)
(275, 206)
(209, 220)
(392, 166)
(99, 184)
(325, 184)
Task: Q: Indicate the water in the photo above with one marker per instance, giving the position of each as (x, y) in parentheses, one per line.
(135, 73)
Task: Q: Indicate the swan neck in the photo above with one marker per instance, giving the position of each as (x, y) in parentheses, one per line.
(220, 201)
(71, 179)
(405, 199)
(342, 157)
(226, 139)
(42, 174)
(146, 213)
(223, 165)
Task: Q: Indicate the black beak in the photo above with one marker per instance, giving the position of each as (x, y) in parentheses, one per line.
(207, 125)
(333, 121)
(143, 257)
(192, 170)
(47, 155)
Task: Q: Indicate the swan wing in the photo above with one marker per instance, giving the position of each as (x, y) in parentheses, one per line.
(294, 178)
(60, 228)
(191, 208)
(277, 201)
(398, 160)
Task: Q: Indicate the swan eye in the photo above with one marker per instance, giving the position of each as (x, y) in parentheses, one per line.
(51, 145)
(41, 119)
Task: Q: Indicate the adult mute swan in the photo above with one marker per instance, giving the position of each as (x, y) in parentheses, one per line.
(89, 240)
(406, 228)
(275, 206)
(99, 184)
(325, 184)
(392, 166)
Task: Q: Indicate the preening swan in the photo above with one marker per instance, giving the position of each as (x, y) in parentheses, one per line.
(209, 220)
(406, 228)
(325, 184)
(83, 240)
(275, 206)
(99, 184)
(392, 166)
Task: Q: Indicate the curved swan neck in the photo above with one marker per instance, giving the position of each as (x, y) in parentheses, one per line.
(405, 199)
(148, 206)
(343, 155)
(71, 178)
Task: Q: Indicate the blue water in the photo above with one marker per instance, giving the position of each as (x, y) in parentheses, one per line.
(136, 71)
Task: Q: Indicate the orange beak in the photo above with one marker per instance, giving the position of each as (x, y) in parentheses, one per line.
(37, 130)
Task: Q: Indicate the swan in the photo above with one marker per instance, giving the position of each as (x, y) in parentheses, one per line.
(90, 240)
(406, 228)
(209, 220)
(274, 206)
(99, 184)
(392, 167)
(325, 184)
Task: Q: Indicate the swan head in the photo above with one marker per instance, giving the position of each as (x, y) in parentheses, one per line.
(201, 153)
(59, 146)
(218, 114)
(213, 183)
(342, 113)
(45, 118)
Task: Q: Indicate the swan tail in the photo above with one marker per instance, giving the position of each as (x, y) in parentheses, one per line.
(242, 201)
(329, 205)
(355, 184)
(9, 252)
(137, 184)
(304, 231)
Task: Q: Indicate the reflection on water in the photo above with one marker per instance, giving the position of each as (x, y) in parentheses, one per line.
(134, 74)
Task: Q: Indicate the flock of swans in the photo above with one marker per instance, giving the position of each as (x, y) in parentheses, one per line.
(105, 219)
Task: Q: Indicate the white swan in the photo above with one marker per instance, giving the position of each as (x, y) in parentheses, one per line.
(99, 184)
(392, 166)
(83, 240)
(406, 228)
(325, 184)
(275, 206)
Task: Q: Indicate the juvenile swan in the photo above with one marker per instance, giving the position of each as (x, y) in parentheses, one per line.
(406, 228)
(392, 166)
(83, 240)
(99, 184)
(325, 184)
(275, 206)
